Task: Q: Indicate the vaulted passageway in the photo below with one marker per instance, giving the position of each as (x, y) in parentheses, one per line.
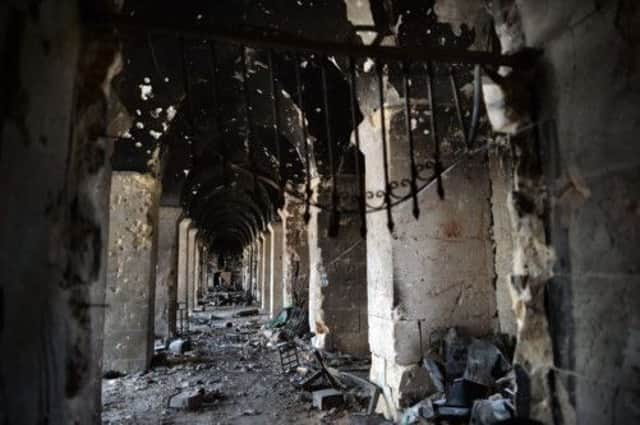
(430, 205)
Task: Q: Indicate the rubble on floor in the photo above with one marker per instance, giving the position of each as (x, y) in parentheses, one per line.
(232, 375)
(474, 381)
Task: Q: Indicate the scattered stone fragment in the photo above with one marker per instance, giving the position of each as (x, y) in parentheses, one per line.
(247, 312)
(180, 346)
(113, 374)
(188, 400)
(491, 411)
(327, 399)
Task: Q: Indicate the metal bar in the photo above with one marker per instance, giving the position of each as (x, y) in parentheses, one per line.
(385, 154)
(259, 37)
(434, 131)
(185, 81)
(247, 104)
(308, 192)
(456, 99)
(190, 119)
(356, 134)
(334, 223)
(475, 115)
(412, 154)
(276, 119)
(213, 75)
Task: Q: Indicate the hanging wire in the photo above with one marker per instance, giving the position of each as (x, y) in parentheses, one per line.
(434, 131)
(308, 191)
(385, 154)
(334, 222)
(356, 133)
(275, 110)
(412, 153)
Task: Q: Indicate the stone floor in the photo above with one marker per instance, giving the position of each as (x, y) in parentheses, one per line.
(229, 356)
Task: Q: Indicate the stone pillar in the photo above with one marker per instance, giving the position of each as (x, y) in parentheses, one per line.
(246, 258)
(428, 274)
(296, 286)
(338, 278)
(278, 267)
(183, 269)
(267, 260)
(167, 272)
(197, 274)
(129, 334)
(500, 167)
(259, 260)
(191, 266)
(204, 271)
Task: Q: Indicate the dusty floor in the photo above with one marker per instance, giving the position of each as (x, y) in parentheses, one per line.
(232, 360)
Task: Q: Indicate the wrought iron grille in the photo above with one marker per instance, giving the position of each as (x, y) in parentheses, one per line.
(415, 63)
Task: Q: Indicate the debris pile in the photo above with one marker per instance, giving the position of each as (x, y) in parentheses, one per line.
(227, 298)
(474, 383)
(292, 322)
(333, 383)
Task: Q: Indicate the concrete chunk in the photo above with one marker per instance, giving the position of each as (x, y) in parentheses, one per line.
(327, 399)
(190, 400)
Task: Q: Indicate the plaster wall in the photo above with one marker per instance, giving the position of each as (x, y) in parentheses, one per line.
(588, 131)
(54, 177)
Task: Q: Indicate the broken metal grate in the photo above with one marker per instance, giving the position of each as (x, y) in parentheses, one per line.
(288, 356)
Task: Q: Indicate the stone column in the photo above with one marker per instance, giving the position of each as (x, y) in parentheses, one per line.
(129, 334)
(197, 274)
(204, 271)
(338, 278)
(278, 267)
(267, 280)
(259, 264)
(246, 258)
(167, 272)
(296, 286)
(428, 274)
(191, 266)
(183, 269)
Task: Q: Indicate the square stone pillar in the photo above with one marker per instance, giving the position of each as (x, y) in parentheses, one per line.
(191, 267)
(130, 297)
(338, 276)
(183, 269)
(429, 274)
(279, 243)
(259, 264)
(267, 281)
(246, 268)
(197, 274)
(167, 272)
(296, 285)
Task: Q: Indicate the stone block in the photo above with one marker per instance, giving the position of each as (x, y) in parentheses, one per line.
(189, 400)
(327, 399)
(395, 340)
